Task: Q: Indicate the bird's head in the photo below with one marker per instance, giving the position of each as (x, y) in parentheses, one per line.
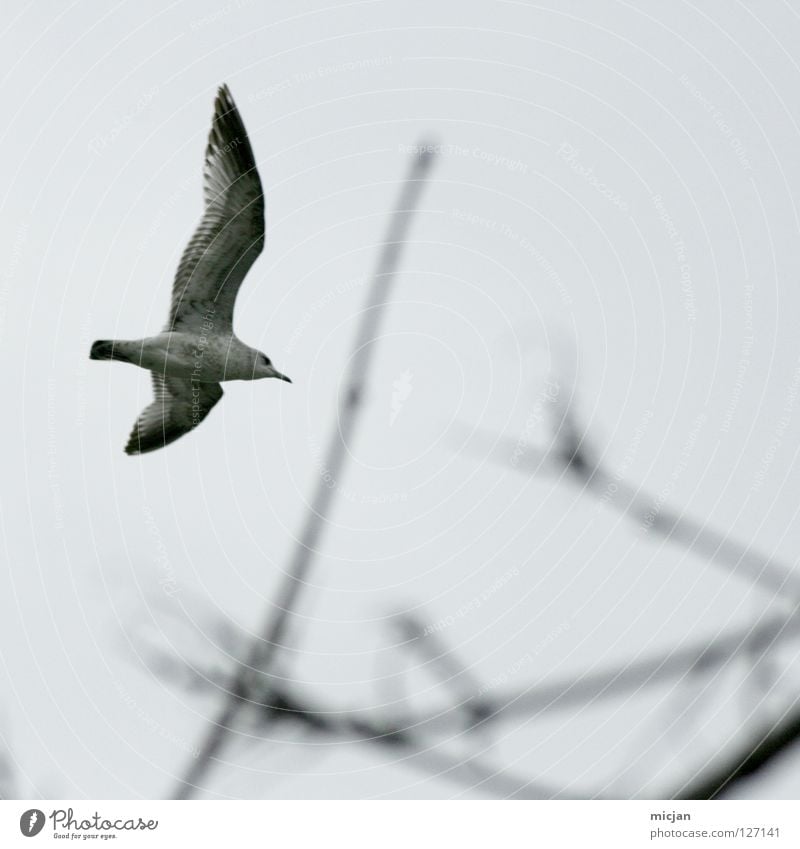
(264, 368)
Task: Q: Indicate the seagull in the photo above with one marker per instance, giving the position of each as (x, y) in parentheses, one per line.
(198, 349)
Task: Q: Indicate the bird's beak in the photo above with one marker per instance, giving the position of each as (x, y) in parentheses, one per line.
(275, 373)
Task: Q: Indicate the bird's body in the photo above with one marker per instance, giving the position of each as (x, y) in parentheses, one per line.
(206, 358)
(198, 348)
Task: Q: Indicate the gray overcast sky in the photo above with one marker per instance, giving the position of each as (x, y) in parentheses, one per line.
(615, 197)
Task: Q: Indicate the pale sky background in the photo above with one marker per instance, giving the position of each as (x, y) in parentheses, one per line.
(616, 185)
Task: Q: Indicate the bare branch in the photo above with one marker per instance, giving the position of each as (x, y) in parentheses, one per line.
(570, 452)
(444, 658)
(749, 759)
(355, 728)
(615, 682)
(7, 788)
(263, 650)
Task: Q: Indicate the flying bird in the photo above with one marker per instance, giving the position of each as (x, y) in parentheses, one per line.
(198, 349)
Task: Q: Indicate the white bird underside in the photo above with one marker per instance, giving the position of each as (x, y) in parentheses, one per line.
(225, 245)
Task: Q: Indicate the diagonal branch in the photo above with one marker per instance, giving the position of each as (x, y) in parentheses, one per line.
(617, 681)
(439, 654)
(748, 760)
(352, 727)
(471, 713)
(707, 657)
(263, 650)
(571, 453)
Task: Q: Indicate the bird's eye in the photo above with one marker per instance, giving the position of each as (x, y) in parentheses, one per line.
(266, 361)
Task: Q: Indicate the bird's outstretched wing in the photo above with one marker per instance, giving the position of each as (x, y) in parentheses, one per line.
(180, 405)
(230, 235)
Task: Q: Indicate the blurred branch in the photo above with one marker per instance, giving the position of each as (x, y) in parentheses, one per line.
(754, 641)
(620, 680)
(354, 728)
(256, 683)
(440, 655)
(748, 760)
(7, 788)
(263, 650)
(570, 452)
(473, 712)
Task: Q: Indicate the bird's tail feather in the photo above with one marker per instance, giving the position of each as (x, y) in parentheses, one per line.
(104, 349)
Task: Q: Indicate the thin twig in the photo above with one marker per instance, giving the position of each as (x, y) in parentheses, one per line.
(263, 650)
(721, 779)
(472, 713)
(752, 641)
(614, 682)
(570, 453)
(7, 789)
(353, 728)
(749, 759)
(455, 673)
